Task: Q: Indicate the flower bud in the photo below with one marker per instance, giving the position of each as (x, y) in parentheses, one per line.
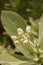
(16, 42)
(14, 37)
(28, 29)
(20, 31)
(25, 41)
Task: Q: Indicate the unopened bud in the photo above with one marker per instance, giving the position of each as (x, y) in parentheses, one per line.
(14, 37)
(20, 31)
(28, 29)
(16, 42)
(25, 41)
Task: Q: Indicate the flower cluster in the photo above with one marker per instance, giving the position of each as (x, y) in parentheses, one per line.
(22, 37)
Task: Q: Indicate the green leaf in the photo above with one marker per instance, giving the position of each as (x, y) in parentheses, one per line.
(23, 58)
(26, 53)
(29, 63)
(11, 21)
(5, 63)
(7, 59)
(41, 32)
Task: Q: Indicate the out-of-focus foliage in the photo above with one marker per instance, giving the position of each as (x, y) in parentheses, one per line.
(25, 8)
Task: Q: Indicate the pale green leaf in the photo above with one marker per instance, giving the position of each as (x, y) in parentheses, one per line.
(7, 59)
(5, 63)
(11, 21)
(29, 63)
(26, 53)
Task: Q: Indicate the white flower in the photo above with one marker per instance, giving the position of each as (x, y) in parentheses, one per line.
(14, 37)
(25, 41)
(16, 42)
(28, 29)
(20, 31)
